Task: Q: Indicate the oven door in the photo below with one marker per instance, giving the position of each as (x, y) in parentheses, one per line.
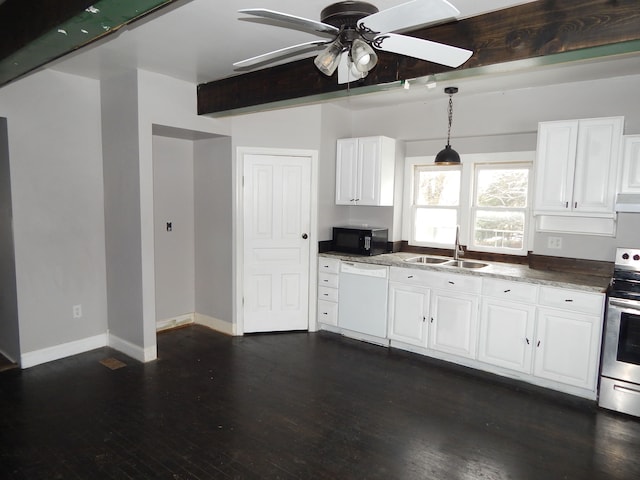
(621, 349)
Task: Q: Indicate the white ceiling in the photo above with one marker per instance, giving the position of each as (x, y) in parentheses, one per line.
(198, 41)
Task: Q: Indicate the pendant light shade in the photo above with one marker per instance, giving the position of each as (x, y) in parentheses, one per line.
(448, 156)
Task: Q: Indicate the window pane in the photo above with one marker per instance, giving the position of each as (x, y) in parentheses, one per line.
(498, 229)
(502, 188)
(436, 225)
(435, 187)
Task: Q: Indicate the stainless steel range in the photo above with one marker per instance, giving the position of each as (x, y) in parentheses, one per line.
(620, 375)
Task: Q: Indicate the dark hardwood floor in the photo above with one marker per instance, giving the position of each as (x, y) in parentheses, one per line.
(296, 406)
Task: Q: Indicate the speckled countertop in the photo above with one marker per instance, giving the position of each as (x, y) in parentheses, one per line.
(506, 271)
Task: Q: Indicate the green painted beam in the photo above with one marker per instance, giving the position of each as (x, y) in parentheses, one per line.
(81, 28)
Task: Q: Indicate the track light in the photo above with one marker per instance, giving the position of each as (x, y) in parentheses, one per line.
(327, 61)
(363, 56)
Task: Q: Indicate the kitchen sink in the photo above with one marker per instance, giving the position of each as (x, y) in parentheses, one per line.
(464, 264)
(425, 259)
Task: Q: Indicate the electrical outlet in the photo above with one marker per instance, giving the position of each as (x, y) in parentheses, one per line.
(554, 242)
(77, 311)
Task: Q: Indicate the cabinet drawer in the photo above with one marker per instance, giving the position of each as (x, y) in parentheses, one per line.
(506, 290)
(327, 293)
(327, 280)
(327, 312)
(328, 265)
(410, 276)
(572, 300)
(455, 282)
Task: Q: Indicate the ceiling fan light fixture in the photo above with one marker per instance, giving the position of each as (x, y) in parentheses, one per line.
(448, 156)
(327, 61)
(363, 56)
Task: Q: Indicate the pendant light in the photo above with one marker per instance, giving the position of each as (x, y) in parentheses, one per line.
(448, 156)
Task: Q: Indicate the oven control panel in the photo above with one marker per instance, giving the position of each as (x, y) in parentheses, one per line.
(628, 258)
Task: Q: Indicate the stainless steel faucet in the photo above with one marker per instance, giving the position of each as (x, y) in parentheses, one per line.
(457, 248)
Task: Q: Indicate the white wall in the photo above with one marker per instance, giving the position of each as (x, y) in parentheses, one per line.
(174, 250)
(58, 210)
(214, 229)
(162, 101)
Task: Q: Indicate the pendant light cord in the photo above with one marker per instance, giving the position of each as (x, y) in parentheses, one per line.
(450, 117)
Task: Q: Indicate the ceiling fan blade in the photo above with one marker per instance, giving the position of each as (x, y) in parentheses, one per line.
(408, 15)
(423, 49)
(346, 73)
(304, 23)
(283, 52)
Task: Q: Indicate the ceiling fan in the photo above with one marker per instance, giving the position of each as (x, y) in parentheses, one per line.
(357, 30)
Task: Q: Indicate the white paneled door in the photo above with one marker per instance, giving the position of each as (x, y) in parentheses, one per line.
(277, 216)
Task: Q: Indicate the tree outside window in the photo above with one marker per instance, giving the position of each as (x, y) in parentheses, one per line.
(500, 207)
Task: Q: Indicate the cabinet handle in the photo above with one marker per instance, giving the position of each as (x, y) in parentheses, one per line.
(452, 283)
(431, 319)
(575, 205)
(566, 205)
(357, 199)
(326, 294)
(507, 290)
(568, 299)
(527, 341)
(424, 319)
(410, 276)
(538, 343)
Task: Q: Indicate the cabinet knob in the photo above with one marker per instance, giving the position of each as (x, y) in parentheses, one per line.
(305, 236)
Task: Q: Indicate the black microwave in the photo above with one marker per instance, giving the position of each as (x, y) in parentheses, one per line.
(360, 240)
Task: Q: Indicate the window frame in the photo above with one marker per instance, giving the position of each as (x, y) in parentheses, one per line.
(465, 218)
(415, 207)
(526, 211)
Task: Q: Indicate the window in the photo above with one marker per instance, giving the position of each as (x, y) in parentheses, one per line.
(500, 208)
(436, 203)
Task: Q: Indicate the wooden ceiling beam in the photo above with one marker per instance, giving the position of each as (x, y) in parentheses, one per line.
(35, 33)
(536, 29)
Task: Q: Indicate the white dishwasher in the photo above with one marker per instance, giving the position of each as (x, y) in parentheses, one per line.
(362, 299)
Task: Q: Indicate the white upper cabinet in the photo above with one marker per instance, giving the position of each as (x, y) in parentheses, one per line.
(631, 165)
(577, 167)
(365, 171)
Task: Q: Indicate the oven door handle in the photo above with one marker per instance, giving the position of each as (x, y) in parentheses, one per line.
(626, 390)
(624, 303)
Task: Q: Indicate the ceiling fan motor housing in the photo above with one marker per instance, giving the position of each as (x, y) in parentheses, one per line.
(346, 14)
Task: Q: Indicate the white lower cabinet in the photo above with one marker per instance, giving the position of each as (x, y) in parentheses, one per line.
(408, 312)
(453, 323)
(327, 313)
(506, 334)
(548, 336)
(567, 347)
(507, 324)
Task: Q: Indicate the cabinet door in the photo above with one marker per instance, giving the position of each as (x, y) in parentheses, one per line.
(555, 162)
(596, 170)
(567, 347)
(506, 334)
(346, 171)
(369, 170)
(631, 165)
(454, 323)
(408, 309)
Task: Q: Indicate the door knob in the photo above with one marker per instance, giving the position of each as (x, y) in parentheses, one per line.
(305, 236)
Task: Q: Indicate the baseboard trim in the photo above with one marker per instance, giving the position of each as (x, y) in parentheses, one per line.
(215, 324)
(49, 354)
(174, 322)
(134, 351)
